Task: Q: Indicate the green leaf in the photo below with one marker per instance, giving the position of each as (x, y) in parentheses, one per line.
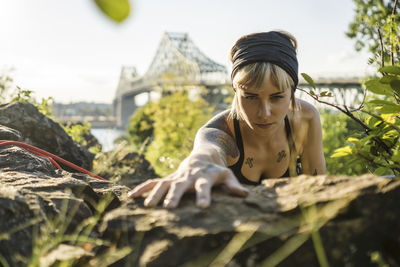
(352, 140)
(378, 88)
(387, 79)
(396, 156)
(325, 94)
(341, 152)
(309, 80)
(390, 69)
(395, 84)
(371, 121)
(117, 10)
(381, 102)
(381, 171)
(388, 109)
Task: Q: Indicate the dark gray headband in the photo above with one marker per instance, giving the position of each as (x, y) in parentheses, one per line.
(273, 47)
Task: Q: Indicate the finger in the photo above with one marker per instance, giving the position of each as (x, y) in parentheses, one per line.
(157, 193)
(203, 192)
(234, 186)
(175, 193)
(142, 188)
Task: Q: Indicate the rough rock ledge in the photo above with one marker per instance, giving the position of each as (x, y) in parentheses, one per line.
(276, 224)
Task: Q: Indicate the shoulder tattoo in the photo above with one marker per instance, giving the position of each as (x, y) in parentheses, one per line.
(219, 138)
(217, 132)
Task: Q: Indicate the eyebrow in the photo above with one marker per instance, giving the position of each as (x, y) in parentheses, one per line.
(255, 94)
(248, 93)
(277, 93)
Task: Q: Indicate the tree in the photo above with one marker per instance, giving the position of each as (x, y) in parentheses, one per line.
(375, 20)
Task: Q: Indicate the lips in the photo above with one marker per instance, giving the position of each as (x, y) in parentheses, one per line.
(264, 125)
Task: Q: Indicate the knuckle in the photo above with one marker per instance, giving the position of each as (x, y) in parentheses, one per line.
(202, 182)
(171, 198)
(179, 184)
(164, 182)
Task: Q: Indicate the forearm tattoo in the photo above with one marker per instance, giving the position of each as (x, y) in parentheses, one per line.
(281, 155)
(249, 161)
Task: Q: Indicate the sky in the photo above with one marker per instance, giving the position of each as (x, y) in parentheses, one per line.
(72, 52)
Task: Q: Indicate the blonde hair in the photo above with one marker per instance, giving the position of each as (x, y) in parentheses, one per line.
(253, 75)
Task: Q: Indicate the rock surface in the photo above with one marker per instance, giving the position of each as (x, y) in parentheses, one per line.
(39, 130)
(7, 133)
(124, 166)
(33, 192)
(353, 217)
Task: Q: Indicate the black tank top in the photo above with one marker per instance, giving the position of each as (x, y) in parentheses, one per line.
(237, 167)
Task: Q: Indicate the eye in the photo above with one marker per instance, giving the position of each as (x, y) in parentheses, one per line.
(276, 97)
(250, 97)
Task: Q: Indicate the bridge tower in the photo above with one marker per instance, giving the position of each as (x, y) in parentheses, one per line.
(177, 61)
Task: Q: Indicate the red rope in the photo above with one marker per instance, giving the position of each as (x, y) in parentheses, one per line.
(53, 158)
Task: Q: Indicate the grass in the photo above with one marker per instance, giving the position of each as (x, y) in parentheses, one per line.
(311, 220)
(52, 235)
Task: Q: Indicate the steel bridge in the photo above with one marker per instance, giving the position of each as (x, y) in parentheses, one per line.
(179, 62)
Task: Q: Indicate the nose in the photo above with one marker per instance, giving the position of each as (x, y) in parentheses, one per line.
(264, 109)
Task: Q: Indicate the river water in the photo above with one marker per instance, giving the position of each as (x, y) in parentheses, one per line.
(106, 137)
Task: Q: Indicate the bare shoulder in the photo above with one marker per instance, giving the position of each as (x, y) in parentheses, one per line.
(304, 121)
(309, 139)
(220, 122)
(217, 132)
(307, 111)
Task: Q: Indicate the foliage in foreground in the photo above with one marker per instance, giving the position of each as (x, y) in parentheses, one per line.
(335, 129)
(378, 146)
(116, 10)
(372, 16)
(166, 129)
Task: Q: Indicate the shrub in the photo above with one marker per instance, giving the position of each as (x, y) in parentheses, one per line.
(335, 129)
(167, 129)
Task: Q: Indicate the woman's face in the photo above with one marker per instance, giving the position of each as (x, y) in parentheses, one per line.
(265, 108)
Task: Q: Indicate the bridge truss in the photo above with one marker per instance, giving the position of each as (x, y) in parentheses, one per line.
(179, 59)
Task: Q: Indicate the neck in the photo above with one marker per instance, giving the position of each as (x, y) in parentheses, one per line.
(252, 138)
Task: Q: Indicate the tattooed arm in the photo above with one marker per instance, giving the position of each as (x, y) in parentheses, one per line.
(205, 167)
(216, 135)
